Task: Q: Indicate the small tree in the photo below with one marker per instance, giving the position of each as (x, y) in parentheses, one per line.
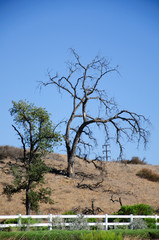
(38, 136)
(82, 84)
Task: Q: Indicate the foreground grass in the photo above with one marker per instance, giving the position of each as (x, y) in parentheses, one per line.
(41, 235)
(80, 235)
(141, 234)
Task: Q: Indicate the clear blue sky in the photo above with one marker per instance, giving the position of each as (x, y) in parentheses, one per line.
(35, 35)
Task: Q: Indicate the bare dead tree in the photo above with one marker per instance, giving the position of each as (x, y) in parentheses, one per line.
(116, 200)
(92, 210)
(82, 85)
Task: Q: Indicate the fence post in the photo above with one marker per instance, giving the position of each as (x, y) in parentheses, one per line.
(131, 220)
(106, 222)
(50, 221)
(156, 221)
(19, 220)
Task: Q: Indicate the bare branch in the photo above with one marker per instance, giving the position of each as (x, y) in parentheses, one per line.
(22, 141)
(82, 84)
(116, 200)
(89, 186)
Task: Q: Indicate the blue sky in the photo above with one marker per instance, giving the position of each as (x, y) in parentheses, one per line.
(36, 36)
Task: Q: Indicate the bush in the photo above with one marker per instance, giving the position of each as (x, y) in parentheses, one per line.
(11, 221)
(9, 151)
(138, 224)
(25, 222)
(86, 221)
(134, 160)
(69, 212)
(137, 160)
(148, 174)
(58, 223)
(151, 223)
(136, 209)
(79, 223)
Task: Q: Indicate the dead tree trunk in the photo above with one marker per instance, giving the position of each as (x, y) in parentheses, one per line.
(70, 166)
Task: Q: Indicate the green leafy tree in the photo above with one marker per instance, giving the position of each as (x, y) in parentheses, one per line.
(38, 136)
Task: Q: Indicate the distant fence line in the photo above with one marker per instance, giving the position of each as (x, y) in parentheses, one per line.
(51, 217)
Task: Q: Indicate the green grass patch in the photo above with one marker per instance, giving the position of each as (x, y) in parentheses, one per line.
(140, 233)
(80, 235)
(101, 235)
(42, 235)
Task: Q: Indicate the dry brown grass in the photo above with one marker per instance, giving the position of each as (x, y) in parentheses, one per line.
(148, 174)
(11, 152)
(120, 181)
(133, 238)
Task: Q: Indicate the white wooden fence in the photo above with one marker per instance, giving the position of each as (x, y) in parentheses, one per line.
(48, 220)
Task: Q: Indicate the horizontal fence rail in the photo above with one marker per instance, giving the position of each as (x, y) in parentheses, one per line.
(49, 220)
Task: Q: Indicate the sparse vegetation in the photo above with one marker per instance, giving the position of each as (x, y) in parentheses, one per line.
(148, 174)
(134, 160)
(10, 152)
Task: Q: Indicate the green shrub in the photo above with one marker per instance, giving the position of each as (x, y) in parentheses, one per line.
(98, 225)
(136, 209)
(70, 212)
(92, 220)
(11, 221)
(25, 222)
(148, 174)
(151, 222)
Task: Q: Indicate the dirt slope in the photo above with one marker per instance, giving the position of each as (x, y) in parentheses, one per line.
(120, 180)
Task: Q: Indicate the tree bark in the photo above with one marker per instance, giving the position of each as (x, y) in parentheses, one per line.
(70, 166)
(27, 204)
